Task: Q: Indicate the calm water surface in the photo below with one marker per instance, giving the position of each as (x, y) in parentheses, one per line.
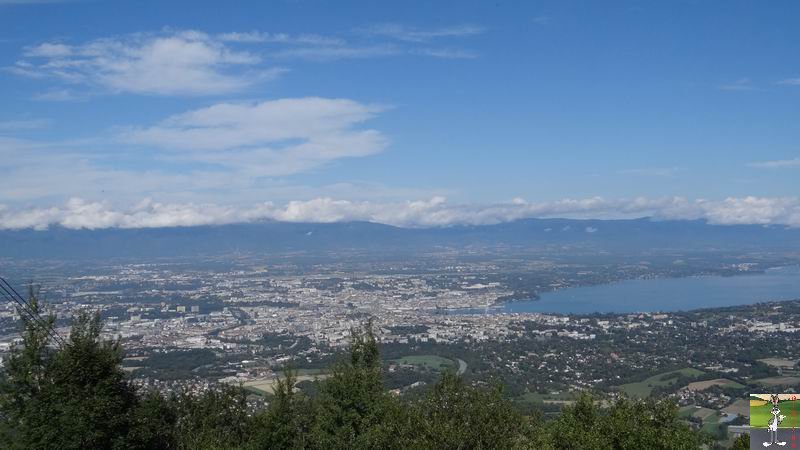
(668, 294)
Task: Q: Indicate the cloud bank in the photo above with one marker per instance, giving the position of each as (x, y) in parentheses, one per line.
(435, 212)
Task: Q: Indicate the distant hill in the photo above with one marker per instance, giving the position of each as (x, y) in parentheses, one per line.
(613, 235)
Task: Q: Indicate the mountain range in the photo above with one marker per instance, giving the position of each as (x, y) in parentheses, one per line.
(611, 235)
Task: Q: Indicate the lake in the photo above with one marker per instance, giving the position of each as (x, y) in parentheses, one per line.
(664, 294)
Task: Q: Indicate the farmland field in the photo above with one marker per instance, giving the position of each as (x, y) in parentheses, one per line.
(643, 388)
(703, 385)
(779, 381)
(740, 407)
(779, 362)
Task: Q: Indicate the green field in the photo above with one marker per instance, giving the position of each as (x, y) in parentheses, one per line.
(710, 417)
(760, 415)
(686, 411)
(711, 423)
(724, 382)
(534, 397)
(642, 389)
(693, 411)
(267, 385)
(255, 391)
(430, 361)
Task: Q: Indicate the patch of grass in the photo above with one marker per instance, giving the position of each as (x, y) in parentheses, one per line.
(642, 389)
(724, 382)
(710, 417)
(255, 391)
(430, 361)
(779, 362)
(536, 398)
(705, 414)
(711, 423)
(734, 385)
(686, 411)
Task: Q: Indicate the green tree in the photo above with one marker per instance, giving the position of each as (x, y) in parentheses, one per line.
(352, 409)
(455, 416)
(215, 419)
(22, 382)
(286, 423)
(73, 397)
(742, 442)
(625, 424)
(153, 423)
(578, 426)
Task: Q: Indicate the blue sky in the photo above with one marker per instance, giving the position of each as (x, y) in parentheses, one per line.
(151, 113)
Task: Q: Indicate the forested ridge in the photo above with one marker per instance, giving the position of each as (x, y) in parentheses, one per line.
(76, 396)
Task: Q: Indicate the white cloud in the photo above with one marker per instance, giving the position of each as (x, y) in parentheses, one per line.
(776, 164)
(271, 138)
(790, 82)
(194, 63)
(754, 210)
(339, 52)
(336, 52)
(49, 50)
(323, 48)
(78, 213)
(224, 151)
(407, 34)
(167, 63)
(252, 37)
(316, 47)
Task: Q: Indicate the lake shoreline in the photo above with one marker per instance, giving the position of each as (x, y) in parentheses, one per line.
(771, 284)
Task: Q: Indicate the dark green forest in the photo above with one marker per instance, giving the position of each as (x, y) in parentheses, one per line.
(76, 396)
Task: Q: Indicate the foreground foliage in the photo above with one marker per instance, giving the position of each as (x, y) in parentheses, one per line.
(77, 397)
